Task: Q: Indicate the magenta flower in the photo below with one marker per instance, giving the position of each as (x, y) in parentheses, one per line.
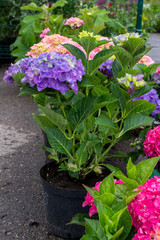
(152, 143)
(145, 211)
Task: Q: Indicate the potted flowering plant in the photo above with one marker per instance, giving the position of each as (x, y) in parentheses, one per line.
(126, 208)
(83, 113)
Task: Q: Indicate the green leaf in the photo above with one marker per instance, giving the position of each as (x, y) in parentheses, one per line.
(93, 229)
(79, 219)
(20, 51)
(28, 90)
(99, 90)
(42, 121)
(126, 222)
(81, 110)
(55, 117)
(76, 52)
(40, 99)
(141, 91)
(135, 59)
(116, 68)
(131, 170)
(100, 58)
(123, 57)
(139, 107)
(136, 121)
(37, 27)
(18, 77)
(134, 44)
(58, 141)
(145, 169)
(32, 6)
(103, 101)
(89, 81)
(59, 3)
(88, 43)
(107, 185)
(104, 120)
(116, 91)
(132, 184)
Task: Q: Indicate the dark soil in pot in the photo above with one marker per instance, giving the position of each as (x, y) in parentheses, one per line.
(63, 199)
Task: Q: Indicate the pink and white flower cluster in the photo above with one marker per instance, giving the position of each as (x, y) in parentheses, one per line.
(44, 32)
(146, 60)
(145, 211)
(152, 142)
(74, 22)
(52, 43)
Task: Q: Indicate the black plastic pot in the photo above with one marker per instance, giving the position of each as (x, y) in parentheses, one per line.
(61, 205)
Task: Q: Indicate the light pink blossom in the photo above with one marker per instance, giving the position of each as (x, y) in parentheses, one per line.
(74, 22)
(44, 33)
(146, 60)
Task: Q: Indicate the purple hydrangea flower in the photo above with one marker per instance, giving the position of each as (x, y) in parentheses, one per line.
(156, 77)
(151, 97)
(49, 70)
(106, 68)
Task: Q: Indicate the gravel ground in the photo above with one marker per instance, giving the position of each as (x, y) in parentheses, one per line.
(21, 203)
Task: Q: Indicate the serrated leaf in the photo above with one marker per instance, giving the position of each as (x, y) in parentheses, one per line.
(93, 229)
(42, 121)
(126, 222)
(59, 3)
(139, 107)
(116, 68)
(134, 44)
(131, 170)
(99, 90)
(79, 219)
(145, 169)
(104, 120)
(136, 121)
(58, 141)
(81, 110)
(141, 91)
(100, 58)
(89, 81)
(32, 6)
(116, 91)
(28, 90)
(107, 185)
(76, 52)
(55, 117)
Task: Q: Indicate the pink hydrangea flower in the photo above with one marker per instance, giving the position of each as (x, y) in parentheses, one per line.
(74, 22)
(152, 143)
(145, 211)
(158, 70)
(44, 33)
(146, 60)
(52, 43)
(89, 199)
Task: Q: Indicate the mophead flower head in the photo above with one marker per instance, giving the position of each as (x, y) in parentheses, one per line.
(74, 22)
(50, 70)
(50, 43)
(152, 142)
(145, 210)
(124, 37)
(146, 60)
(89, 34)
(152, 97)
(132, 82)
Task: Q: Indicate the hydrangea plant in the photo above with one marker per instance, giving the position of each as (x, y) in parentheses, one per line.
(82, 113)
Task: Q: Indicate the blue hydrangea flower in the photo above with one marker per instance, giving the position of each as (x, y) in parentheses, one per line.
(156, 77)
(106, 68)
(49, 70)
(151, 97)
